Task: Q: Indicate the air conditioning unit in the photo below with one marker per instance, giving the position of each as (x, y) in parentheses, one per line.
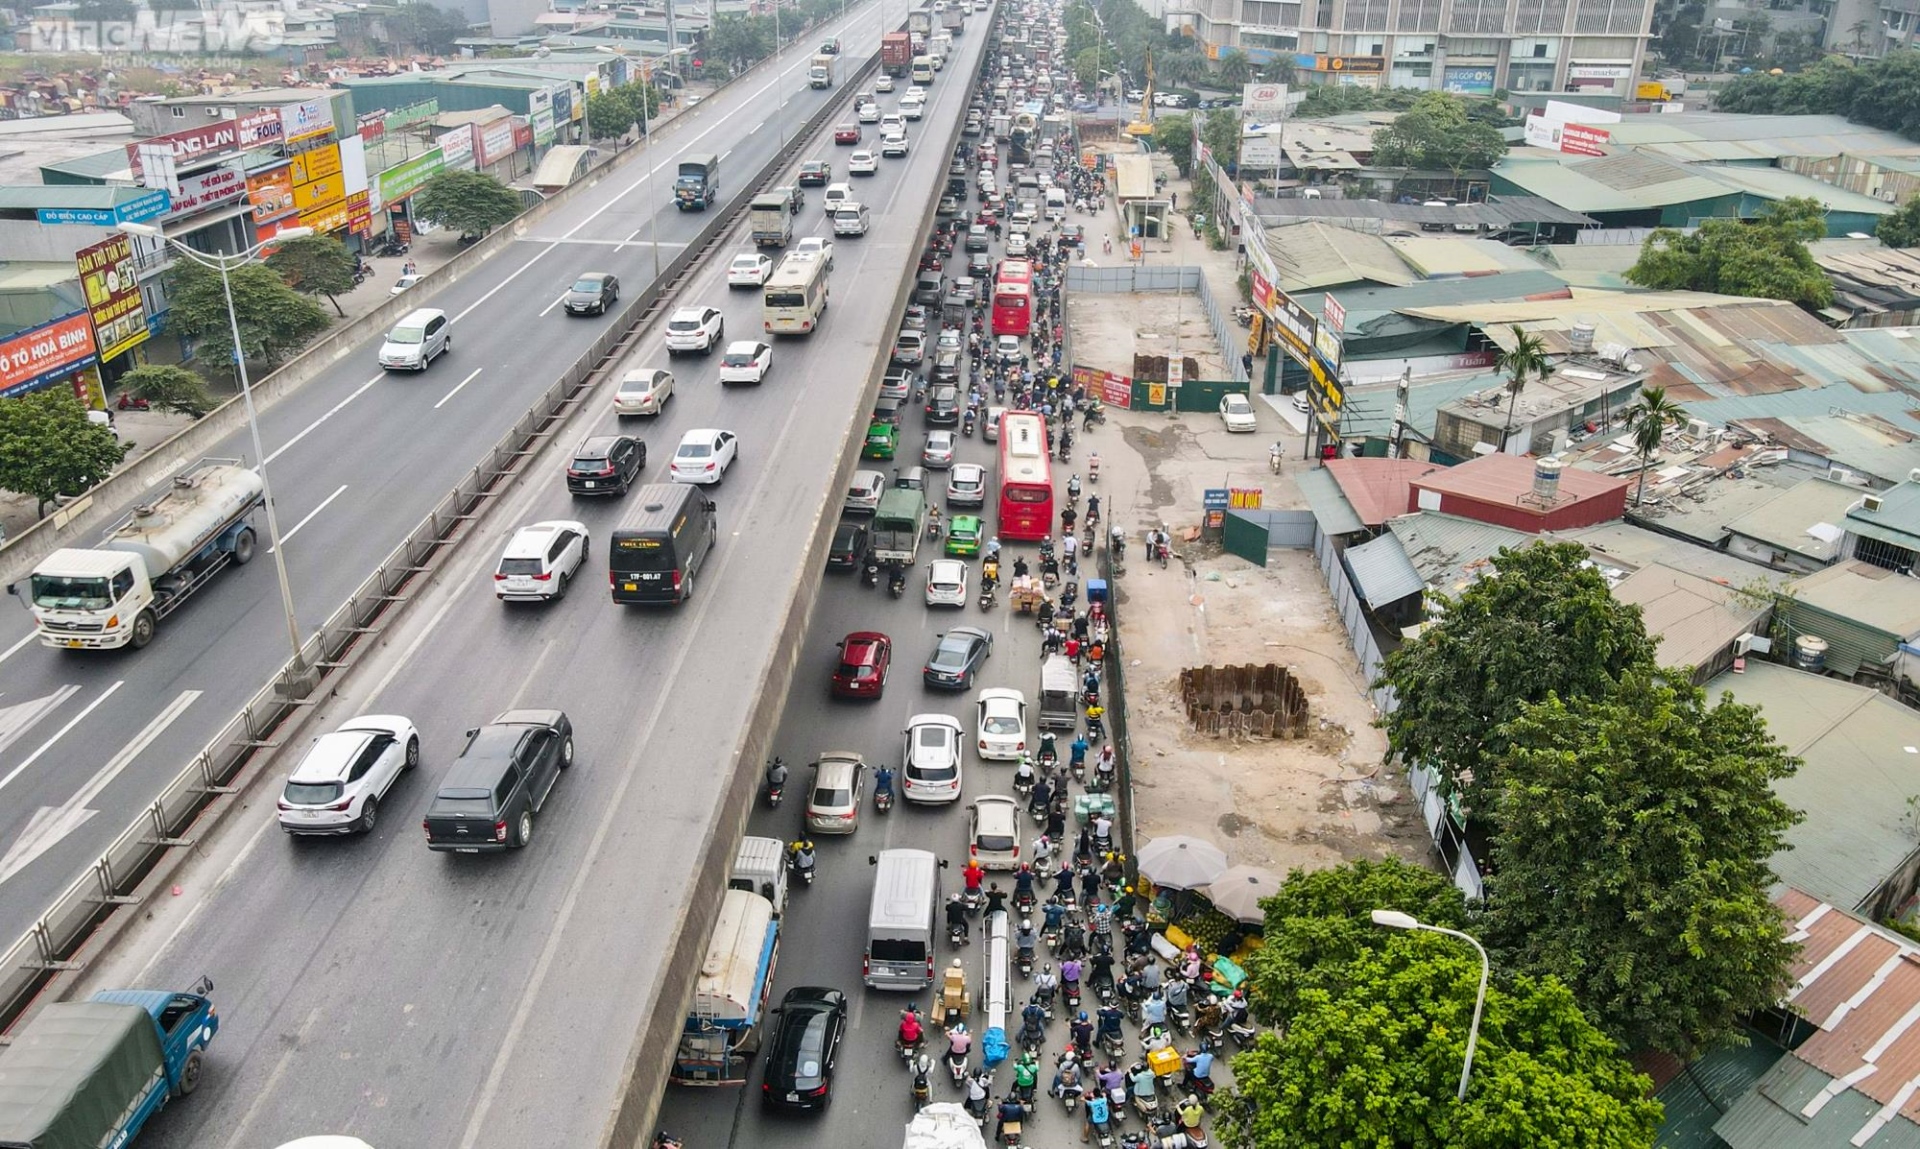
(1840, 474)
(1870, 503)
(1699, 428)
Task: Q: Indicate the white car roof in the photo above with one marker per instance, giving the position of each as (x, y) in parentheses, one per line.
(946, 720)
(532, 540)
(701, 435)
(744, 347)
(1002, 694)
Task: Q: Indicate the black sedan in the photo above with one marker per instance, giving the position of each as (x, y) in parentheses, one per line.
(849, 545)
(958, 657)
(592, 294)
(799, 1059)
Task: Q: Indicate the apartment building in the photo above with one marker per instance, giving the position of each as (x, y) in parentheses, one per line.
(1471, 47)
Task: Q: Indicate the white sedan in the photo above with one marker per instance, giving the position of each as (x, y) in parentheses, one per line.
(338, 785)
(815, 245)
(1237, 413)
(930, 759)
(749, 269)
(704, 456)
(883, 84)
(745, 362)
(1003, 724)
(946, 583)
(862, 163)
(643, 391)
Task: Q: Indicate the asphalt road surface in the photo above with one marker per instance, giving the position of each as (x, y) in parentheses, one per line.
(368, 986)
(356, 458)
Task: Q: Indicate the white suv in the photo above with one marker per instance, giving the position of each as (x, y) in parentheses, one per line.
(695, 329)
(540, 560)
(337, 787)
(930, 759)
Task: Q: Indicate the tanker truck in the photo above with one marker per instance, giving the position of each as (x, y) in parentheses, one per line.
(149, 563)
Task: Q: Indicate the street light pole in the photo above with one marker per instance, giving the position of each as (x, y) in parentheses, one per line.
(223, 264)
(1396, 920)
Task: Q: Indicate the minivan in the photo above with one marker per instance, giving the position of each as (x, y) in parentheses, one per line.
(901, 920)
(416, 340)
(655, 559)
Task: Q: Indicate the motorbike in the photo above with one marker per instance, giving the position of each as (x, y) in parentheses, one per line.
(774, 790)
(987, 596)
(1024, 963)
(897, 581)
(1243, 1033)
(131, 402)
(882, 801)
(966, 425)
(933, 527)
(1023, 902)
(1163, 551)
(1180, 1017)
(1113, 1045)
(957, 936)
(801, 869)
(1032, 1036)
(957, 1068)
(870, 574)
(1102, 780)
(1093, 467)
(975, 901)
(922, 1087)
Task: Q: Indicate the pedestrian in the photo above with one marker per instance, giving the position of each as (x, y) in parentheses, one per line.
(1106, 245)
(1173, 200)
(1246, 364)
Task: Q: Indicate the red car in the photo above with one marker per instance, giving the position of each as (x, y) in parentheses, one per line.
(847, 134)
(865, 656)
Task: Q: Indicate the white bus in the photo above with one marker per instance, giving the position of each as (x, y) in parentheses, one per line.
(796, 294)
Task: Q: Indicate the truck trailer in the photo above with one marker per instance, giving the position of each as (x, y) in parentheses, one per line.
(723, 1025)
(698, 182)
(771, 219)
(83, 1074)
(896, 53)
(115, 595)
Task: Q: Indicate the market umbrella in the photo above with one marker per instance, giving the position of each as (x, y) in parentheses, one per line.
(1237, 892)
(1180, 862)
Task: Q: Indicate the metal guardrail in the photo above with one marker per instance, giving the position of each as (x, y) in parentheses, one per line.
(110, 882)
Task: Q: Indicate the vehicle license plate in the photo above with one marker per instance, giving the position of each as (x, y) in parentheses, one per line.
(465, 850)
(589, 484)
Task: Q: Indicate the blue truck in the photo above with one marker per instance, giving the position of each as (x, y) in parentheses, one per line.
(89, 1074)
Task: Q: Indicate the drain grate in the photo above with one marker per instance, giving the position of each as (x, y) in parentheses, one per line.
(1244, 701)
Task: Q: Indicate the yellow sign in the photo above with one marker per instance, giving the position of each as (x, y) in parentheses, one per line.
(317, 164)
(1328, 385)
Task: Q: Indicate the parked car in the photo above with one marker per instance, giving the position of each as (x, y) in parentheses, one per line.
(1237, 413)
(502, 778)
(540, 561)
(340, 781)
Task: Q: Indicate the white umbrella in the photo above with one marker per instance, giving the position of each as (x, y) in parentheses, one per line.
(1180, 862)
(1237, 892)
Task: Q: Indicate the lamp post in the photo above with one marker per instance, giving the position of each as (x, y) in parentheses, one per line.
(1396, 920)
(223, 264)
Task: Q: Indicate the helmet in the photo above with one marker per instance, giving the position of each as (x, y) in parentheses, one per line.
(1047, 968)
(1083, 1015)
(956, 965)
(1026, 923)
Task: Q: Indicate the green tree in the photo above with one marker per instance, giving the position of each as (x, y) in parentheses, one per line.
(1526, 359)
(275, 321)
(1436, 132)
(472, 203)
(1235, 71)
(316, 265)
(1319, 923)
(1086, 66)
(1378, 1063)
(1902, 228)
(1765, 258)
(1543, 624)
(738, 41)
(1220, 131)
(49, 450)
(427, 28)
(1649, 417)
(1174, 136)
(1632, 843)
(170, 388)
(610, 114)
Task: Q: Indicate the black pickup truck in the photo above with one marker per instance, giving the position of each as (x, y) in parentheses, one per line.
(489, 796)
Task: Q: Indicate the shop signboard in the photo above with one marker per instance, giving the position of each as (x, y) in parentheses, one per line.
(405, 178)
(38, 356)
(207, 140)
(1260, 103)
(152, 205)
(308, 119)
(456, 147)
(1294, 327)
(207, 189)
(111, 285)
(271, 194)
(1468, 81)
(495, 141)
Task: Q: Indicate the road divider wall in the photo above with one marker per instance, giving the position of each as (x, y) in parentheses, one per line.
(82, 919)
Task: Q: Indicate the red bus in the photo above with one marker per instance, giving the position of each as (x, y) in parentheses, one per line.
(1013, 298)
(1026, 478)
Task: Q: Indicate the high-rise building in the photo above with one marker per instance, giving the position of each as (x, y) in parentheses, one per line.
(1471, 47)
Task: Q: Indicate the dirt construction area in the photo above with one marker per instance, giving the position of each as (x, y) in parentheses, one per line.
(1314, 799)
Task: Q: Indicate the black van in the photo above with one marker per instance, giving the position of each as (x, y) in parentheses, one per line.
(655, 559)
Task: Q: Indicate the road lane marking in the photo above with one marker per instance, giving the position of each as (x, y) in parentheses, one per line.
(15, 648)
(61, 733)
(21, 717)
(51, 824)
(331, 412)
(284, 539)
(557, 301)
(456, 389)
(270, 1088)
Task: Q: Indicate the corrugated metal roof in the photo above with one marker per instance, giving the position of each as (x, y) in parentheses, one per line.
(1768, 136)
(1314, 256)
(1451, 552)
(1772, 1115)
(1696, 1099)
(1437, 257)
(29, 197)
(1898, 509)
(1787, 521)
(1853, 784)
(1363, 303)
(1329, 506)
(1631, 320)
(1692, 618)
(1624, 182)
(1377, 489)
(1368, 412)
(1778, 183)
(1381, 571)
(1499, 212)
(1870, 595)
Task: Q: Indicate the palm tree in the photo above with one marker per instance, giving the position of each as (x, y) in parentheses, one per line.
(1650, 416)
(1526, 358)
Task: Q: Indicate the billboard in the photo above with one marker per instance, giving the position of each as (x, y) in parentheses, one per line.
(305, 120)
(405, 178)
(140, 209)
(216, 185)
(456, 146)
(248, 131)
(1261, 102)
(495, 141)
(112, 288)
(1573, 139)
(1468, 81)
(318, 181)
(271, 194)
(39, 355)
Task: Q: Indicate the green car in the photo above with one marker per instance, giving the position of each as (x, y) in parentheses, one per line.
(881, 439)
(963, 535)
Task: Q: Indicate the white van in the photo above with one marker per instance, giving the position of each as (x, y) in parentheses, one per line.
(760, 867)
(902, 920)
(923, 69)
(835, 195)
(416, 340)
(1056, 204)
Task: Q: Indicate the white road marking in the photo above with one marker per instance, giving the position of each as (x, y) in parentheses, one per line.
(557, 301)
(270, 1089)
(50, 824)
(14, 649)
(456, 389)
(331, 412)
(61, 733)
(284, 539)
(21, 717)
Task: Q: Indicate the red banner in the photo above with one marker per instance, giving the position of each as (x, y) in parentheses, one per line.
(1113, 390)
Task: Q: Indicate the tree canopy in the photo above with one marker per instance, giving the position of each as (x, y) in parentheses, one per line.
(472, 203)
(1765, 258)
(427, 28)
(1435, 133)
(316, 265)
(1632, 842)
(1883, 93)
(49, 449)
(1174, 135)
(170, 388)
(1543, 624)
(1375, 1030)
(275, 321)
(1902, 228)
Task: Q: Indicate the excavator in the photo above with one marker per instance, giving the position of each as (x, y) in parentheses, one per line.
(1143, 124)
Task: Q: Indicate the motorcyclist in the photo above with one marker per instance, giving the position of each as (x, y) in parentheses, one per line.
(1100, 968)
(1019, 566)
(883, 781)
(776, 774)
(802, 852)
(911, 1033)
(1093, 507)
(973, 875)
(959, 1043)
(1199, 1064)
(1042, 794)
(1142, 1080)
(1099, 1114)
(1154, 1038)
(1113, 1081)
(1033, 1022)
(1011, 1113)
(1093, 460)
(990, 573)
(992, 552)
(1066, 1075)
(1079, 747)
(1070, 975)
(1025, 939)
(1023, 880)
(957, 915)
(1026, 1076)
(1046, 983)
(1153, 1011)
(1096, 726)
(1082, 1029)
(1209, 1016)
(996, 898)
(1176, 992)
(1023, 776)
(977, 1086)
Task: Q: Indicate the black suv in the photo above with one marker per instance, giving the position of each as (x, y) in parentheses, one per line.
(489, 797)
(806, 1040)
(592, 294)
(849, 546)
(606, 465)
(943, 406)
